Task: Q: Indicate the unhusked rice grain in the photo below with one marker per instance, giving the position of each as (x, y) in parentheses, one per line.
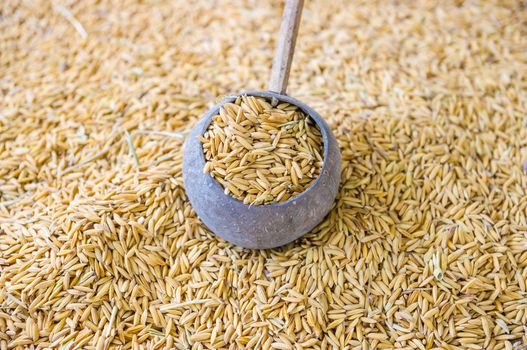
(262, 154)
(426, 247)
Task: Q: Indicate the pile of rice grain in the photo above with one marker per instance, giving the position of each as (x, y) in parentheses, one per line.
(426, 247)
(262, 154)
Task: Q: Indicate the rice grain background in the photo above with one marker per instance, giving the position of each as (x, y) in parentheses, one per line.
(426, 246)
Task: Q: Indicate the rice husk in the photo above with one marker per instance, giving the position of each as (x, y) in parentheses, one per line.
(262, 154)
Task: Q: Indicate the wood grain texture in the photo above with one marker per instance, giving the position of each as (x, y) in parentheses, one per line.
(286, 46)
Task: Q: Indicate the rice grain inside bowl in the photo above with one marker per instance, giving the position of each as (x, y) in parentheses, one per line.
(262, 154)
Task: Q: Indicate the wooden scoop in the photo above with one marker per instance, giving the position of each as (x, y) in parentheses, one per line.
(271, 225)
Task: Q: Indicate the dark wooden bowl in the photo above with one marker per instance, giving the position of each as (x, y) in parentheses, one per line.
(259, 226)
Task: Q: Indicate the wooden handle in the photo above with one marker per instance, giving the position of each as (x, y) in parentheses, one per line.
(286, 46)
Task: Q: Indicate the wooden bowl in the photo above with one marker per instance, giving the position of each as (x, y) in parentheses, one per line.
(259, 226)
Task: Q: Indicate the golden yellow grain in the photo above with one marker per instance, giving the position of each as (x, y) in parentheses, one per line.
(426, 247)
(264, 144)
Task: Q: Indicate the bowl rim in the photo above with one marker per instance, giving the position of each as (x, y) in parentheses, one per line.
(284, 98)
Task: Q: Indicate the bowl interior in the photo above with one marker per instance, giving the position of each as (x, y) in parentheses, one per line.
(323, 127)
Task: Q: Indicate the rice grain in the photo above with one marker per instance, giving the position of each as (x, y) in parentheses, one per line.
(426, 247)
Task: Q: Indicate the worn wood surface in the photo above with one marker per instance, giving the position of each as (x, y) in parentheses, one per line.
(286, 46)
